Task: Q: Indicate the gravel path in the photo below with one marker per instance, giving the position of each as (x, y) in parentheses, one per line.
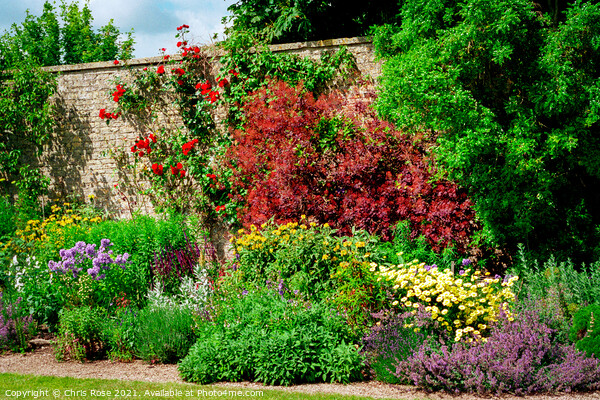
(42, 362)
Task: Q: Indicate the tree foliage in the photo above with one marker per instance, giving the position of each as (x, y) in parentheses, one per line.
(511, 94)
(299, 20)
(65, 36)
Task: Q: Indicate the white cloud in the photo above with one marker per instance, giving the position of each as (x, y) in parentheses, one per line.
(154, 22)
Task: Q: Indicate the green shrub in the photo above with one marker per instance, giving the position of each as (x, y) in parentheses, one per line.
(79, 333)
(585, 332)
(119, 334)
(310, 258)
(510, 97)
(265, 336)
(7, 219)
(163, 334)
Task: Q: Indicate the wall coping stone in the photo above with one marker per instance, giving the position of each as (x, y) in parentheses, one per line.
(212, 51)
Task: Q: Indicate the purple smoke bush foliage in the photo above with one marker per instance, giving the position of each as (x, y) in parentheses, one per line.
(521, 356)
(82, 253)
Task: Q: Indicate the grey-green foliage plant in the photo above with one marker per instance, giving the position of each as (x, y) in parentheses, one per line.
(164, 334)
(511, 94)
(561, 287)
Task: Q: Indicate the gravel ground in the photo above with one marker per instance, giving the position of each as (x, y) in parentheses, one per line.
(42, 362)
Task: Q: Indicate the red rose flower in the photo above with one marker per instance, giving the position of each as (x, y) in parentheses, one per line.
(102, 113)
(160, 70)
(223, 82)
(174, 170)
(157, 169)
(182, 173)
(179, 166)
(116, 62)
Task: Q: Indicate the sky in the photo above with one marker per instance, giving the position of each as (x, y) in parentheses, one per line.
(154, 22)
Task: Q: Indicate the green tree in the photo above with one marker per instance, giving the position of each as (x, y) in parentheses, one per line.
(297, 20)
(512, 95)
(65, 36)
(79, 42)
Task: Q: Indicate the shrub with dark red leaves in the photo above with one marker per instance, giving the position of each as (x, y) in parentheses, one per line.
(334, 161)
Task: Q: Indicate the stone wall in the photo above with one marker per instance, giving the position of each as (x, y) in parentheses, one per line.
(77, 157)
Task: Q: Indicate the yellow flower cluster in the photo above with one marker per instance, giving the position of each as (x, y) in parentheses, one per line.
(61, 217)
(272, 237)
(464, 305)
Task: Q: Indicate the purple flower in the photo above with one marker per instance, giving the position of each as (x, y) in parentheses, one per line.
(244, 292)
(466, 262)
(83, 253)
(430, 267)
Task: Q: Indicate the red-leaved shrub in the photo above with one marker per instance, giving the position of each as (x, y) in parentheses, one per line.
(334, 161)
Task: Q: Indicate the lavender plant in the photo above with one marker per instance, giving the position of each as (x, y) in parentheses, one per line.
(394, 338)
(521, 356)
(87, 275)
